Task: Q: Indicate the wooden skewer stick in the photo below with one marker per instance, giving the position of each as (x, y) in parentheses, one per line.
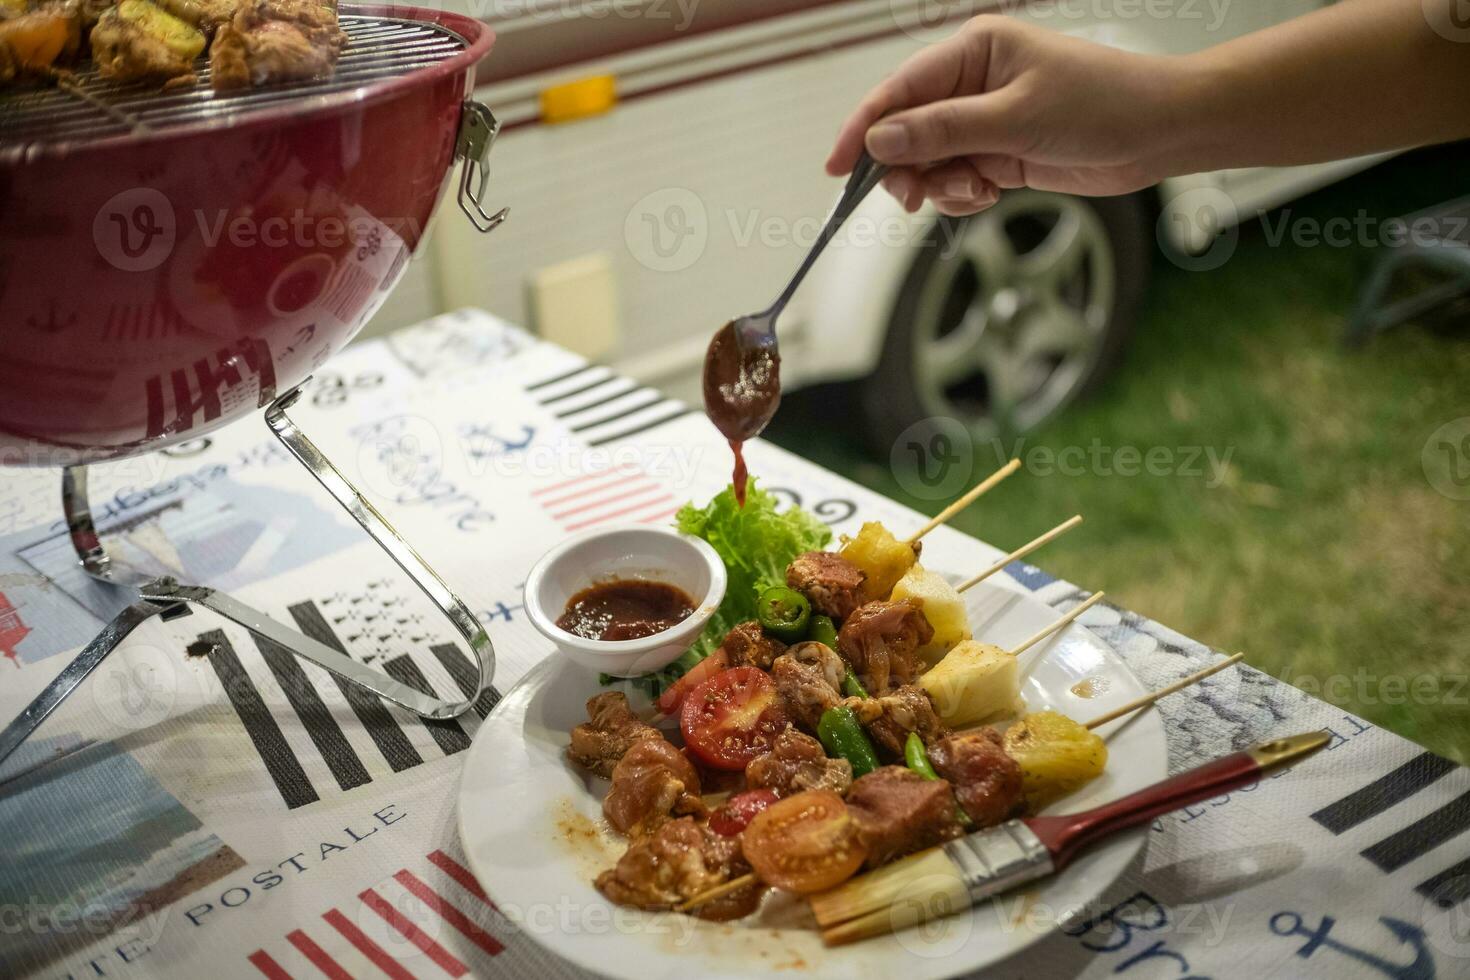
(1149, 699)
(719, 891)
(1023, 551)
(966, 500)
(1077, 610)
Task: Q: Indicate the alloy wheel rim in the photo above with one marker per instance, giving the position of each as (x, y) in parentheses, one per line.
(1011, 316)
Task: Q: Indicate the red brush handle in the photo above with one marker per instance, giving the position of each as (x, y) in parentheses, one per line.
(1066, 835)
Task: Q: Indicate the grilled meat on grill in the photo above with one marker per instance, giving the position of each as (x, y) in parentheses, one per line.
(32, 41)
(275, 41)
(831, 583)
(138, 41)
(207, 15)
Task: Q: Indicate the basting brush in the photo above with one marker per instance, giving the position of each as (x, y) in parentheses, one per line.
(957, 875)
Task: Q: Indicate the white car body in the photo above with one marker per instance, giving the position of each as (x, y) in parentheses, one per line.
(634, 233)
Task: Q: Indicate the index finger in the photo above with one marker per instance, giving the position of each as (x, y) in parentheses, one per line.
(937, 72)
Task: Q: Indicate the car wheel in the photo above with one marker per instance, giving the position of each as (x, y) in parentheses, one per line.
(1007, 316)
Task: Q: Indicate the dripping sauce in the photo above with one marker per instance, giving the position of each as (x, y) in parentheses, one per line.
(742, 389)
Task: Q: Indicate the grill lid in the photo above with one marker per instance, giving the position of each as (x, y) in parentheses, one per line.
(90, 107)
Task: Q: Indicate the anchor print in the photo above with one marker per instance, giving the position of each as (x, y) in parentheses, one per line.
(483, 442)
(1421, 967)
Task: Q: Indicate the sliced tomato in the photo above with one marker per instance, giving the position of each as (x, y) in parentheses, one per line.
(805, 843)
(673, 697)
(732, 717)
(739, 810)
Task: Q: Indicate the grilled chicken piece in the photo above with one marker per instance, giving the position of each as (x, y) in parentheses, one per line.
(650, 783)
(682, 860)
(207, 15)
(275, 41)
(899, 812)
(610, 731)
(890, 717)
(795, 763)
(831, 583)
(32, 42)
(138, 41)
(747, 645)
(809, 679)
(881, 640)
(986, 780)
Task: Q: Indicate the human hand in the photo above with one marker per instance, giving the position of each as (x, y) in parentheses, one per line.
(1008, 104)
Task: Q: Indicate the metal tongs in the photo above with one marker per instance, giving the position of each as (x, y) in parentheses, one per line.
(758, 330)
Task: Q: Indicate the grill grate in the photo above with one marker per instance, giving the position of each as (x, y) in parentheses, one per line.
(92, 107)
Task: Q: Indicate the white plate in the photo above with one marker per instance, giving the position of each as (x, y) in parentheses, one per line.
(531, 824)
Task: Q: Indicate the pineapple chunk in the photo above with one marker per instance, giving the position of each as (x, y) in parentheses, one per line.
(943, 607)
(974, 682)
(881, 556)
(1056, 754)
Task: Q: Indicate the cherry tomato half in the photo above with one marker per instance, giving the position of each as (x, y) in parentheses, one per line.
(805, 843)
(732, 717)
(739, 810)
(673, 697)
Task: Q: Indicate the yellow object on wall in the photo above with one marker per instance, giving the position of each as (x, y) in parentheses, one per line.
(578, 100)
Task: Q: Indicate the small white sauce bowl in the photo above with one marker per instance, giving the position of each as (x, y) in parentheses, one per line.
(627, 552)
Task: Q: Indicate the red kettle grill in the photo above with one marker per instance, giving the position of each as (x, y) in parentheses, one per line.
(174, 259)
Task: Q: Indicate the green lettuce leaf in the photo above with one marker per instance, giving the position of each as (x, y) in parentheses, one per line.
(756, 543)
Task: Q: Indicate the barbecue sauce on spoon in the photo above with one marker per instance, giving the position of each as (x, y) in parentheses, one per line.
(741, 391)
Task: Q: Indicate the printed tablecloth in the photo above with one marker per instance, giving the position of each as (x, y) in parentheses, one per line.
(208, 805)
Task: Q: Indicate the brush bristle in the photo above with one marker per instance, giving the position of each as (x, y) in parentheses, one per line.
(929, 880)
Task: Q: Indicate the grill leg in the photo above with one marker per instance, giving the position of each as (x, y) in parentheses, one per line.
(161, 595)
(74, 673)
(378, 528)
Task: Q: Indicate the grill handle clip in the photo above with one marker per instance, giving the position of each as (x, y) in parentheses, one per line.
(477, 130)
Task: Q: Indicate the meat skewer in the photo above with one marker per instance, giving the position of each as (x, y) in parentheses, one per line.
(956, 875)
(743, 881)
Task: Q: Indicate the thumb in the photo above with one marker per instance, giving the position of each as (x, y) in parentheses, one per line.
(948, 128)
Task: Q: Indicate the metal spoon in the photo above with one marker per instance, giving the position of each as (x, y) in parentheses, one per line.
(758, 330)
(742, 368)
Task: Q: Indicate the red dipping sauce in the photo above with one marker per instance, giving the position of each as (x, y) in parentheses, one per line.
(625, 609)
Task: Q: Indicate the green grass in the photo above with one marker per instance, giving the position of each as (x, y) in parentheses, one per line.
(1324, 551)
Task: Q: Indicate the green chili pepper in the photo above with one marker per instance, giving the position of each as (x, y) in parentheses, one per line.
(783, 612)
(844, 737)
(917, 758)
(823, 630)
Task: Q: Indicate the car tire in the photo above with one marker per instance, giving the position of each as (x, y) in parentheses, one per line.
(965, 296)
